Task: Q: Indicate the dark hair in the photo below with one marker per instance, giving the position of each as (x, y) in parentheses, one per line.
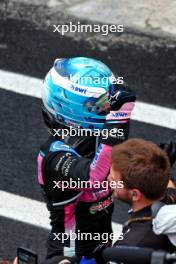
(142, 165)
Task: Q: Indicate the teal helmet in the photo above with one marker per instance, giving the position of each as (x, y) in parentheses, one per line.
(76, 93)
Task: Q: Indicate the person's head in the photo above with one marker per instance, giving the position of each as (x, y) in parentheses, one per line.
(72, 89)
(78, 92)
(144, 169)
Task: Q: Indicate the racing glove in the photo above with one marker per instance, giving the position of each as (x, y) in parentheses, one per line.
(121, 100)
(98, 252)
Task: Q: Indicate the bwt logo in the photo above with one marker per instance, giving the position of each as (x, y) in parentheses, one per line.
(119, 114)
(78, 89)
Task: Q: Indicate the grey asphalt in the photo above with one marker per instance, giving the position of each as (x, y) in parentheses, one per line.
(22, 131)
(145, 57)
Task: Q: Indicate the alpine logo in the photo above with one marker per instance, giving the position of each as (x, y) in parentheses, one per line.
(113, 98)
(78, 89)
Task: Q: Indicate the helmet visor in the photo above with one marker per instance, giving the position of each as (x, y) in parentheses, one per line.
(100, 106)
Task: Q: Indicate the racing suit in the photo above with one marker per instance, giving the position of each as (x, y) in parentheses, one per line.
(79, 210)
(72, 208)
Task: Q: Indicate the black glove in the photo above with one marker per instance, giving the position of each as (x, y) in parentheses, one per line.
(85, 146)
(98, 252)
(121, 100)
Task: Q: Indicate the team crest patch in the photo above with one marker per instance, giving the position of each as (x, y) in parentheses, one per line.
(97, 207)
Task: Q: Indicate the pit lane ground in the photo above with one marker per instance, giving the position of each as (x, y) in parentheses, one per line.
(23, 216)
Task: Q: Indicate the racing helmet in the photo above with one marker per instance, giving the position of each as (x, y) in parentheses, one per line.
(76, 93)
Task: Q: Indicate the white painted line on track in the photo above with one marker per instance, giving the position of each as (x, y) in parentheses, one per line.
(143, 112)
(30, 211)
(23, 209)
(21, 84)
(154, 115)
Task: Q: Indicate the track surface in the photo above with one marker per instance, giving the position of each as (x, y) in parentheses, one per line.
(21, 133)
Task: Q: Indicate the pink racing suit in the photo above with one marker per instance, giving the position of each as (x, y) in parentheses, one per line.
(75, 210)
(79, 210)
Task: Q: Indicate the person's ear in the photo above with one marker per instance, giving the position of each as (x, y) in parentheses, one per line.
(135, 195)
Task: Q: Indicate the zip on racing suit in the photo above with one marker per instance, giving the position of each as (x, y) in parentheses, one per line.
(79, 210)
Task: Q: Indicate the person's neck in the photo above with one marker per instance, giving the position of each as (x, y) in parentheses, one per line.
(136, 206)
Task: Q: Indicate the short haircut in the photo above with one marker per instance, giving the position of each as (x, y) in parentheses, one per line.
(143, 166)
